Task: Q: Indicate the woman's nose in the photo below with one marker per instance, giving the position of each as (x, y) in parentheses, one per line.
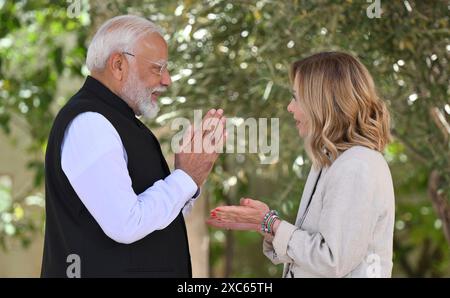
(289, 107)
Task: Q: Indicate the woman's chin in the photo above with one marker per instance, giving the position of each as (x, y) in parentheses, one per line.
(302, 133)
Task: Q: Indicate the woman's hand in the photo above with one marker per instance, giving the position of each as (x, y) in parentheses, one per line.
(232, 225)
(247, 216)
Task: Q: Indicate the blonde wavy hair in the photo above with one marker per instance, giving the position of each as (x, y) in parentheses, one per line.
(341, 106)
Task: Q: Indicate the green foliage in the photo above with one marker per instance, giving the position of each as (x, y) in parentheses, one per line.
(236, 55)
(39, 45)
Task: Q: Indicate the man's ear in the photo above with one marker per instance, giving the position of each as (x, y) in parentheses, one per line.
(117, 65)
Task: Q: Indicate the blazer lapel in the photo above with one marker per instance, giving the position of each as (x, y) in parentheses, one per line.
(307, 191)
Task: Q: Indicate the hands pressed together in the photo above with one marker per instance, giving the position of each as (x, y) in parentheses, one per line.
(250, 214)
(197, 161)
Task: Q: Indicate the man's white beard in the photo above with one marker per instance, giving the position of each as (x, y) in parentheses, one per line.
(141, 96)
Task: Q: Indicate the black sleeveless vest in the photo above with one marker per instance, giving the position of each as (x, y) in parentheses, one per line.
(71, 229)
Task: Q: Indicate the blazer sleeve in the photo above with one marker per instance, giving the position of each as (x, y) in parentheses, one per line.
(345, 226)
(271, 254)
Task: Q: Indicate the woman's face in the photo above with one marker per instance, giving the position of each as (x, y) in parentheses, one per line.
(298, 114)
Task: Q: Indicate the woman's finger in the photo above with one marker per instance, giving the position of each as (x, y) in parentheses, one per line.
(253, 203)
(229, 209)
(232, 226)
(249, 215)
(232, 211)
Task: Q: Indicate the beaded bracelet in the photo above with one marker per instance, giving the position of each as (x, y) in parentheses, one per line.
(271, 223)
(268, 221)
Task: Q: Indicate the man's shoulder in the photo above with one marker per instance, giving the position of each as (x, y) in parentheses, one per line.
(79, 101)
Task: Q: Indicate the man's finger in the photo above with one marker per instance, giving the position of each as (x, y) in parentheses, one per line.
(209, 124)
(213, 142)
(219, 133)
(197, 135)
(187, 139)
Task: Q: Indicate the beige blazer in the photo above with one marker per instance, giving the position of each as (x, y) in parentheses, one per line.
(348, 228)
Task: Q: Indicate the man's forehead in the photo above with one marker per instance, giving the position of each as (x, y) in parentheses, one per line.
(153, 46)
(153, 39)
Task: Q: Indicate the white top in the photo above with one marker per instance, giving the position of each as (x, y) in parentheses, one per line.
(95, 162)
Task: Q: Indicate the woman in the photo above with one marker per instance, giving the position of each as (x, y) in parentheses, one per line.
(345, 222)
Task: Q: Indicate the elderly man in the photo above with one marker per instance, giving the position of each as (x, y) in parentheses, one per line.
(113, 207)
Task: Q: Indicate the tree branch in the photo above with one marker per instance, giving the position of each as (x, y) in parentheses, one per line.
(440, 203)
(441, 122)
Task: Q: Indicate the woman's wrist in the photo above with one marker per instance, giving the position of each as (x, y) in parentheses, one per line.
(275, 225)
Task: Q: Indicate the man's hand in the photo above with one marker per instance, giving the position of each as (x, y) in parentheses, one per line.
(200, 148)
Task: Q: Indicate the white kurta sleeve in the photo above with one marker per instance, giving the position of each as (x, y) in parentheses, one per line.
(95, 162)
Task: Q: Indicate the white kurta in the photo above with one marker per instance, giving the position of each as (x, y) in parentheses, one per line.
(95, 162)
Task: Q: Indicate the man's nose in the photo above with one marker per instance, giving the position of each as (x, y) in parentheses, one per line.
(166, 79)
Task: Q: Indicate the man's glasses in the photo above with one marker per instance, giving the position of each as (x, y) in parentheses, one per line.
(161, 67)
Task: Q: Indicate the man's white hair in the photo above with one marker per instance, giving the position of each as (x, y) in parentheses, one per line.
(118, 34)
